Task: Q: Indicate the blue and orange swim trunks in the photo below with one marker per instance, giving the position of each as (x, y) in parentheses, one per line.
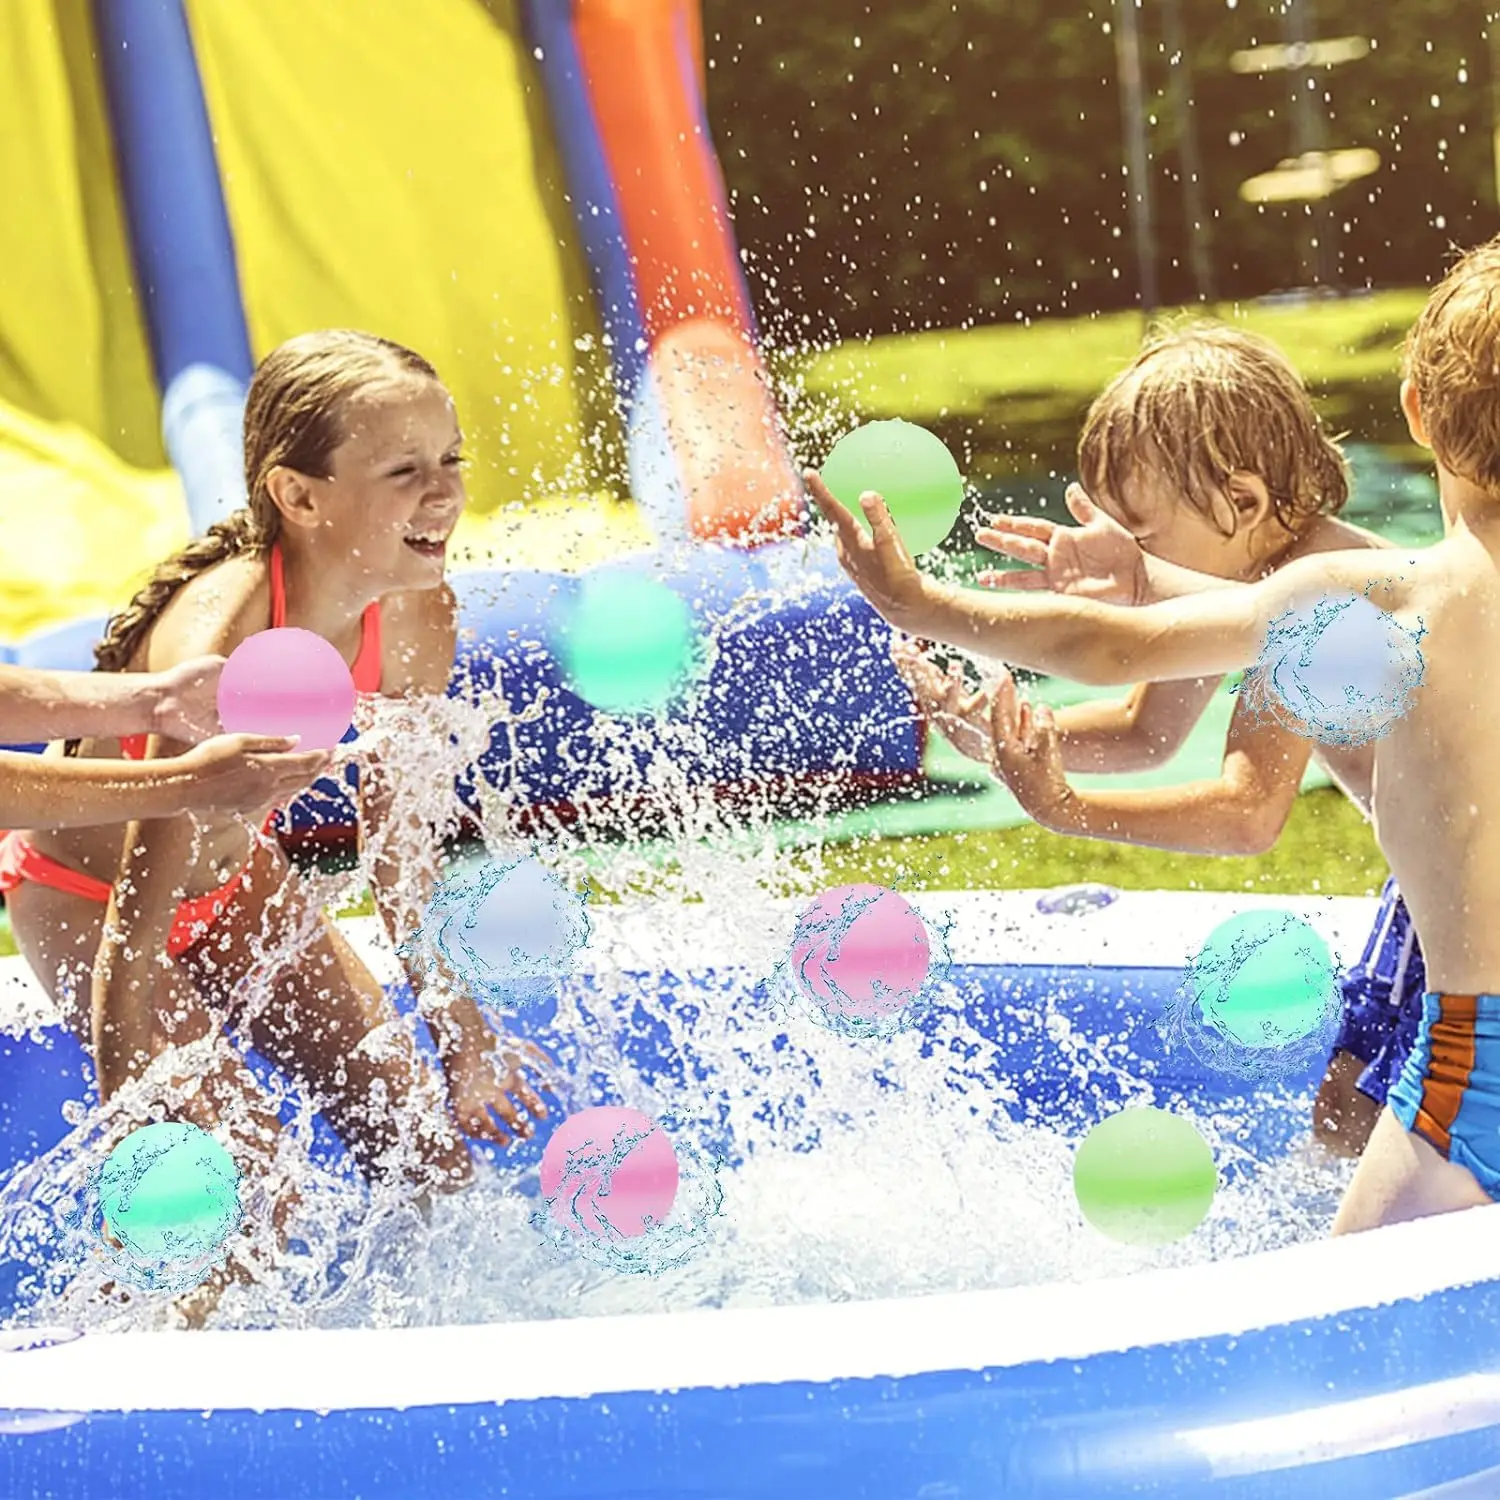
(1449, 1091)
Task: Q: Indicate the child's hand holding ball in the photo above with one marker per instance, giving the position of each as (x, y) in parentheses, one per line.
(909, 490)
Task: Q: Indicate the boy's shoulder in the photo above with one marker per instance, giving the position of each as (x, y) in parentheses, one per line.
(1332, 534)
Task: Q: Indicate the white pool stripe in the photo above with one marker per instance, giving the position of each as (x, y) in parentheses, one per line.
(1142, 929)
(317, 1370)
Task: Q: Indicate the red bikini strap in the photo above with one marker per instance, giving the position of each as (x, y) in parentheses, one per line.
(278, 588)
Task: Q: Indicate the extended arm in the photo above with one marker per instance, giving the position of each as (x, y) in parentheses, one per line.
(402, 875)
(1241, 812)
(41, 705)
(230, 773)
(1134, 733)
(1144, 729)
(1200, 635)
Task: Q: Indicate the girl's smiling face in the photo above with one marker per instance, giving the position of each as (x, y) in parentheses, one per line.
(396, 487)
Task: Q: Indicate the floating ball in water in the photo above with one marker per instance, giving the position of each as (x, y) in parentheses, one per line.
(910, 468)
(1264, 979)
(861, 952)
(287, 681)
(1342, 670)
(626, 642)
(510, 933)
(610, 1171)
(1144, 1177)
(169, 1192)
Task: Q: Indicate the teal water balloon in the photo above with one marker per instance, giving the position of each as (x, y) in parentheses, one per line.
(1144, 1177)
(170, 1192)
(1264, 979)
(626, 643)
(910, 468)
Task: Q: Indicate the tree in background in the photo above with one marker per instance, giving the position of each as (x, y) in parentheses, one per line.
(938, 162)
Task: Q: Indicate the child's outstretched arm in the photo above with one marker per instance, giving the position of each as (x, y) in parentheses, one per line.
(181, 702)
(1096, 559)
(229, 773)
(1241, 812)
(1144, 729)
(1201, 635)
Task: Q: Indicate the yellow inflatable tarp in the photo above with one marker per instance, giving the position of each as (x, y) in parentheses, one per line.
(386, 166)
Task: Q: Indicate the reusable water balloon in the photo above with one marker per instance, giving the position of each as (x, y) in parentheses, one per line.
(509, 933)
(1144, 1176)
(626, 642)
(609, 1170)
(170, 1192)
(1264, 979)
(1341, 670)
(861, 951)
(287, 681)
(910, 468)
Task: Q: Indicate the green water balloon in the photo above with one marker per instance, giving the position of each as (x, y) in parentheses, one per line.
(626, 643)
(1144, 1177)
(1264, 979)
(910, 468)
(170, 1191)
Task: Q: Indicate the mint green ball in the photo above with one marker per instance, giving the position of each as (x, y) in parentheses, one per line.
(170, 1192)
(1144, 1177)
(1264, 979)
(910, 468)
(626, 643)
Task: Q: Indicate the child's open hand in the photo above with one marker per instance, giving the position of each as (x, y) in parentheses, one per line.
(962, 718)
(490, 1090)
(1025, 752)
(1096, 559)
(187, 700)
(879, 565)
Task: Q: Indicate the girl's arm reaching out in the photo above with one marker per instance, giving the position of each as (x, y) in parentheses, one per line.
(1199, 635)
(486, 1072)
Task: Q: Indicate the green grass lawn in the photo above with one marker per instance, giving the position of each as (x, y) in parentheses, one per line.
(1009, 399)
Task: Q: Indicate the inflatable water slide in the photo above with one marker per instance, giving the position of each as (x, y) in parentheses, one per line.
(527, 193)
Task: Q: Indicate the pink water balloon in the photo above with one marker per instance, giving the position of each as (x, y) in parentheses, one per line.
(610, 1169)
(861, 952)
(287, 681)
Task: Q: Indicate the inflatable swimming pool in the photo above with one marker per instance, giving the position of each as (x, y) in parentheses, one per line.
(1368, 1366)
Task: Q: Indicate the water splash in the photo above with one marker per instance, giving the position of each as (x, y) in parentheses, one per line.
(969, 1185)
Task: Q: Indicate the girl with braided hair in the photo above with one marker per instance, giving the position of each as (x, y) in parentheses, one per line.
(353, 461)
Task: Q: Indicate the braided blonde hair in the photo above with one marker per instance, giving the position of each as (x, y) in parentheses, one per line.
(294, 419)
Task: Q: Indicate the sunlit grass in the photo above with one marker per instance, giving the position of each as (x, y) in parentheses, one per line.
(1018, 390)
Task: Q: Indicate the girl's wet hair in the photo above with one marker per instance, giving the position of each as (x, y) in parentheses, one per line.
(1452, 359)
(295, 417)
(1202, 401)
